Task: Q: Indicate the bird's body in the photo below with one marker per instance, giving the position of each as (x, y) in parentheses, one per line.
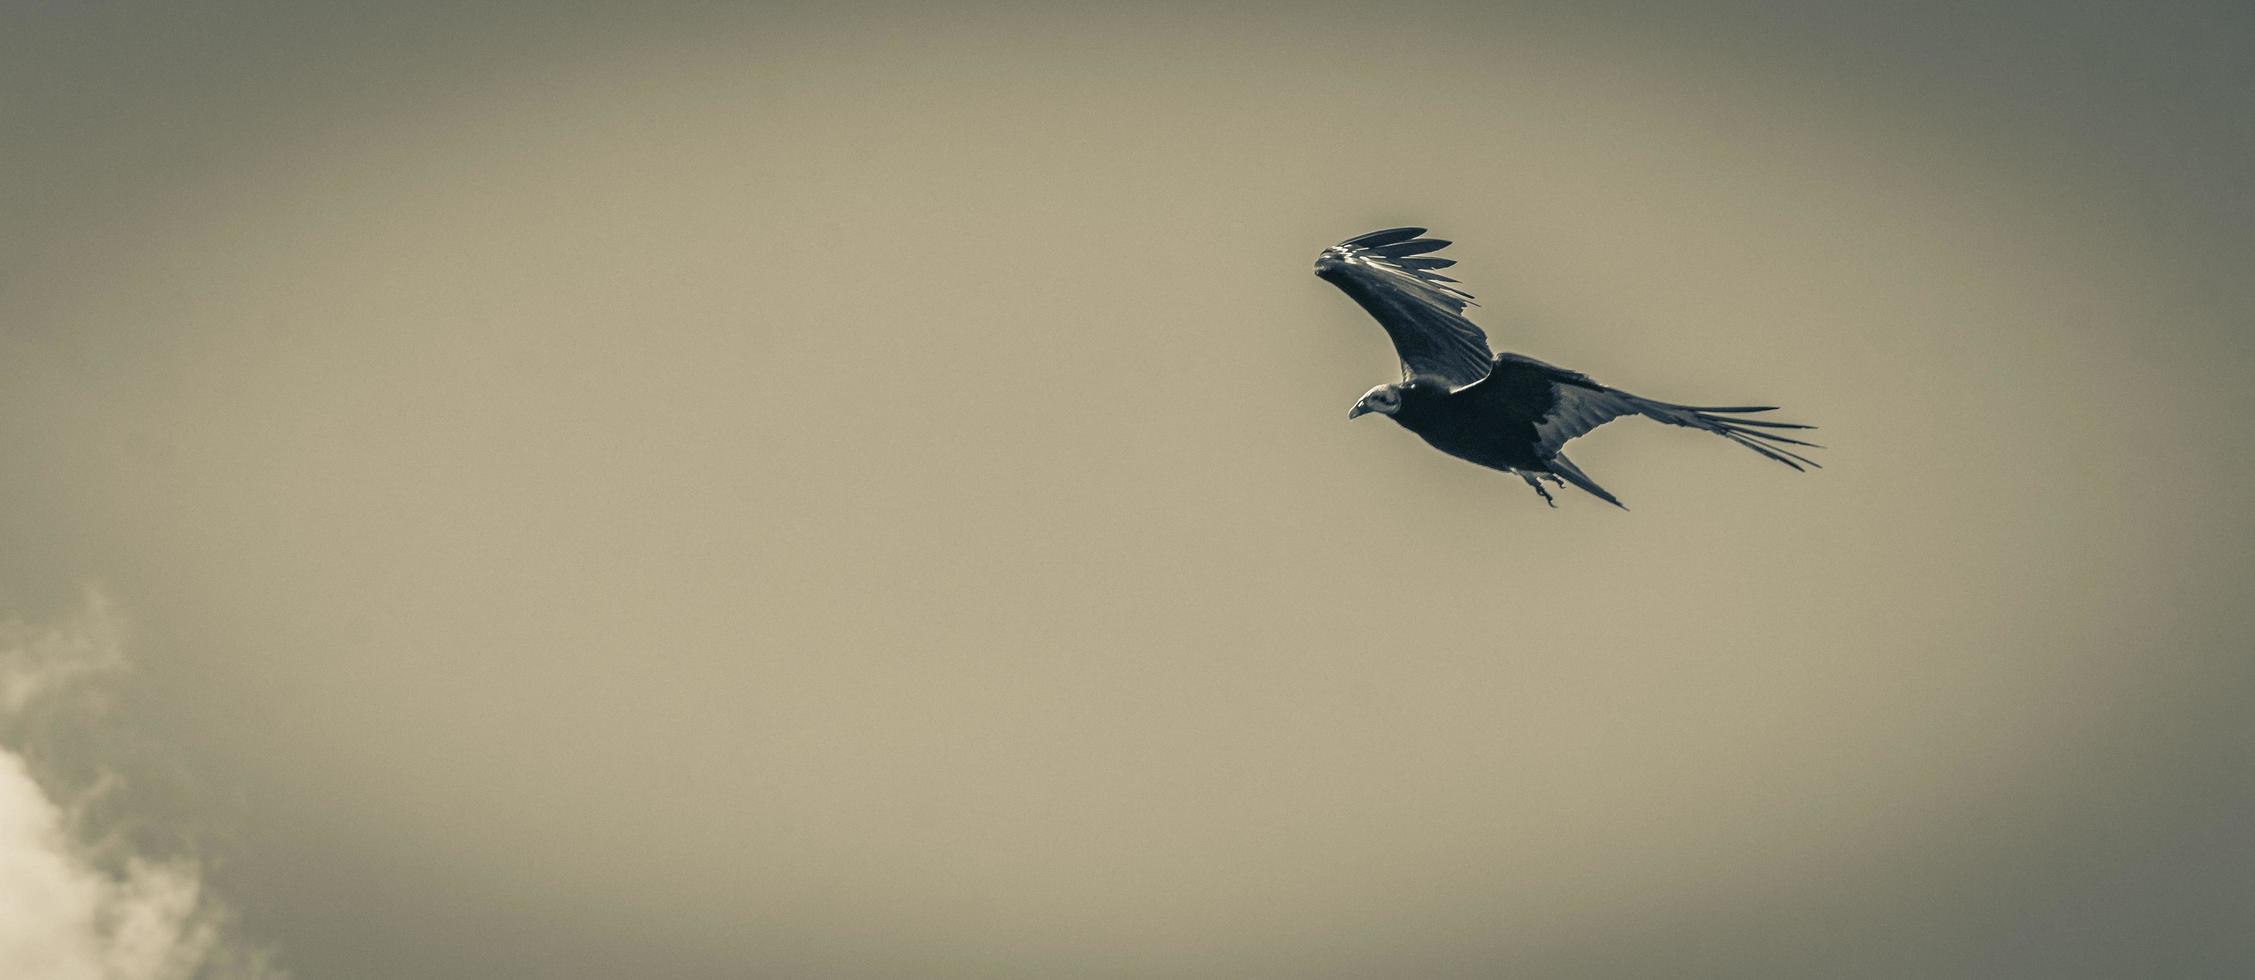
(1502, 411)
(1492, 423)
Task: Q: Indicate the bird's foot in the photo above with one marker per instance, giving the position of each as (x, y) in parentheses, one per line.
(1537, 484)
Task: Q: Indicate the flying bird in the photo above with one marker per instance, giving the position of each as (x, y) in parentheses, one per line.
(1502, 411)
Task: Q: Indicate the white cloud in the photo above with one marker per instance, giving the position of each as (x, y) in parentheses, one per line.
(77, 904)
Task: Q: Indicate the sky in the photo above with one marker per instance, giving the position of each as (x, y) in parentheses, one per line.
(859, 490)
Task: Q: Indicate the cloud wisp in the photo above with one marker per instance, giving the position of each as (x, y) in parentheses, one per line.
(79, 898)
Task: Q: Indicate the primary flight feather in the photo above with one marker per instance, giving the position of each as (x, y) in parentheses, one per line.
(1502, 411)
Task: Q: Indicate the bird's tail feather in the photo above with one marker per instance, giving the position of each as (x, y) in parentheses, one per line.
(1751, 433)
(1566, 470)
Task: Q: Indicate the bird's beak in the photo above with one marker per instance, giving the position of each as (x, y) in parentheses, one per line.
(1360, 409)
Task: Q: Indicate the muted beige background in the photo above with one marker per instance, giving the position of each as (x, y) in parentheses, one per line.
(722, 490)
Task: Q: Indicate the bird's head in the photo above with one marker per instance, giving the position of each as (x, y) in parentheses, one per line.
(1384, 399)
(1332, 262)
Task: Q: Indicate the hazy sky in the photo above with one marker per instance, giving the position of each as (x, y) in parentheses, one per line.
(727, 490)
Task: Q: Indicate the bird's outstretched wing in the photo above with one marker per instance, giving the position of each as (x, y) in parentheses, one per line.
(1391, 275)
(1579, 404)
(1564, 404)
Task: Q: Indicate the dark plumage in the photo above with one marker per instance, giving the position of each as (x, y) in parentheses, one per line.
(1501, 411)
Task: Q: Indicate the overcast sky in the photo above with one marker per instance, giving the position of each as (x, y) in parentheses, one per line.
(721, 490)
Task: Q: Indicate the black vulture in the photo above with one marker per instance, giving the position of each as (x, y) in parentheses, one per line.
(1502, 411)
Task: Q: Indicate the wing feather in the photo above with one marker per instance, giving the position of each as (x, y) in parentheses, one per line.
(1422, 310)
(1418, 247)
(1428, 264)
(1383, 236)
